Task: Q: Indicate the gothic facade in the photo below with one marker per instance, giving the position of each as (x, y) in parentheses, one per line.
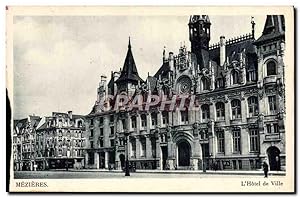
(239, 88)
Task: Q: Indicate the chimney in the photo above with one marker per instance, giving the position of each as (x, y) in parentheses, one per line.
(103, 80)
(222, 50)
(116, 76)
(70, 114)
(171, 61)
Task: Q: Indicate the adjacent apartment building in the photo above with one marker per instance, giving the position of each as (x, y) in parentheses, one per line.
(52, 142)
(238, 85)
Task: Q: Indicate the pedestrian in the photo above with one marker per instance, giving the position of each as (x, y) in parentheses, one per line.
(266, 169)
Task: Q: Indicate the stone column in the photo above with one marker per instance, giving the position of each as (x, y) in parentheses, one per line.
(227, 142)
(227, 112)
(159, 119)
(106, 159)
(158, 154)
(244, 141)
(138, 147)
(171, 154)
(86, 160)
(148, 147)
(138, 123)
(244, 109)
(97, 162)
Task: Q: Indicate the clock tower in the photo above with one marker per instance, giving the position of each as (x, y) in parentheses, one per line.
(199, 27)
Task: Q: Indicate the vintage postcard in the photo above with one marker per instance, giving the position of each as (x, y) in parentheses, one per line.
(151, 99)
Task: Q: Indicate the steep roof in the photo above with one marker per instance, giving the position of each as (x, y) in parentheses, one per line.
(274, 28)
(163, 70)
(129, 71)
(233, 49)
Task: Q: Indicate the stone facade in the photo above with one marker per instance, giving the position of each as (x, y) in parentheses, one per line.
(238, 85)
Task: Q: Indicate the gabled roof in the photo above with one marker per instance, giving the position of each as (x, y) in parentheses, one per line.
(274, 28)
(129, 71)
(163, 70)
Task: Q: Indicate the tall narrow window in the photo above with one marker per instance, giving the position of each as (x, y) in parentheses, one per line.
(123, 124)
(91, 158)
(221, 145)
(184, 117)
(111, 118)
(220, 83)
(92, 133)
(276, 129)
(153, 119)
(101, 121)
(204, 83)
(254, 140)
(220, 110)
(236, 137)
(234, 77)
(252, 75)
(165, 117)
(112, 130)
(253, 106)
(144, 120)
(133, 148)
(272, 104)
(205, 112)
(133, 122)
(271, 68)
(143, 147)
(236, 109)
(269, 128)
(204, 134)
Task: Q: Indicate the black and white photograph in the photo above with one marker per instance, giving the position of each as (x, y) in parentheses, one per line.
(197, 96)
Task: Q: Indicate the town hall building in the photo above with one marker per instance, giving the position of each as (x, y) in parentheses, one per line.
(238, 85)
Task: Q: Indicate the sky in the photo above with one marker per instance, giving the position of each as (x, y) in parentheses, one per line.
(58, 60)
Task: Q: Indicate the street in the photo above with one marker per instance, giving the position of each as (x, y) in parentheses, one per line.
(106, 174)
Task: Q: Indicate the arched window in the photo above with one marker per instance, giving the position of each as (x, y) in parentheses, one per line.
(205, 84)
(205, 111)
(220, 109)
(271, 68)
(236, 108)
(253, 106)
(220, 82)
(153, 119)
(234, 77)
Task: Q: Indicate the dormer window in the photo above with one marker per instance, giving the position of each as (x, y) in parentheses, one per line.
(220, 83)
(204, 84)
(271, 68)
(234, 77)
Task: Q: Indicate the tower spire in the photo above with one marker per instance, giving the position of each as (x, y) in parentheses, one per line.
(253, 26)
(129, 45)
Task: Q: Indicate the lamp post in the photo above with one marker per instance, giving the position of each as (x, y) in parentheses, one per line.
(67, 161)
(126, 133)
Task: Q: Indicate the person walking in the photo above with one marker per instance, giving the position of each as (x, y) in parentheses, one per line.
(266, 169)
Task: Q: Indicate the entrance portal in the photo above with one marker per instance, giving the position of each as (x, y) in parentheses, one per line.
(274, 159)
(164, 151)
(184, 153)
(122, 160)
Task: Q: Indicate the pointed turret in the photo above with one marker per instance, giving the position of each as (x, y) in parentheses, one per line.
(129, 72)
(129, 75)
(274, 29)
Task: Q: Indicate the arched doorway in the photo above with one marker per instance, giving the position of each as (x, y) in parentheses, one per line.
(122, 160)
(274, 158)
(184, 153)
